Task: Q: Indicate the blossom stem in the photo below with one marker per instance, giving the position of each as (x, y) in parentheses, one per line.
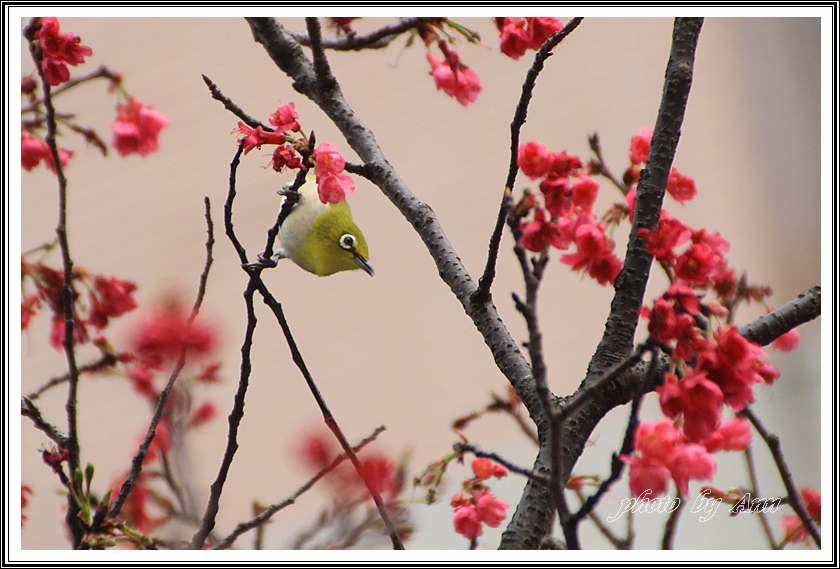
(794, 496)
(67, 292)
(482, 293)
(376, 39)
(267, 513)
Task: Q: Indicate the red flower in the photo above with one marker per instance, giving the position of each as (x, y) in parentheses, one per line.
(285, 157)
(317, 450)
(381, 473)
(467, 522)
(516, 36)
(691, 462)
(520, 34)
(163, 334)
(333, 184)
(59, 50)
(734, 363)
(285, 118)
(594, 254)
(80, 335)
(670, 233)
(484, 468)
(141, 379)
(565, 164)
(647, 476)
(33, 150)
(27, 309)
(640, 145)
(136, 128)
(543, 28)
(584, 192)
(794, 530)
(557, 195)
(697, 264)
(695, 397)
(490, 509)
(681, 187)
(454, 78)
(787, 341)
(539, 233)
(534, 159)
(734, 434)
(110, 297)
(256, 137)
(204, 414)
(24, 492)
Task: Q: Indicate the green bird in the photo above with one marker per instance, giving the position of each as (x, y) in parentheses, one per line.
(322, 238)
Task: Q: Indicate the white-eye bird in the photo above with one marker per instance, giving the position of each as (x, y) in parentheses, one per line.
(322, 238)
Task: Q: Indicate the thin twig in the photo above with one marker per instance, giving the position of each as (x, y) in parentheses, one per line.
(329, 419)
(616, 541)
(794, 496)
(260, 519)
(600, 165)
(530, 474)
(376, 39)
(29, 409)
(68, 295)
(107, 360)
(137, 461)
(762, 516)
(233, 107)
(101, 72)
(482, 293)
(208, 520)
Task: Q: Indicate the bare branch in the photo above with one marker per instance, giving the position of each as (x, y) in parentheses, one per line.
(482, 293)
(376, 39)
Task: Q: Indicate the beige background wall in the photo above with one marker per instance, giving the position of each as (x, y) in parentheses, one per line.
(396, 349)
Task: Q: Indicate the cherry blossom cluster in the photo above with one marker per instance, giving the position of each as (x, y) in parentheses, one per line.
(108, 297)
(334, 186)
(135, 129)
(518, 35)
(712, 367)
(475, 506)
(58, 50)
(564, 217)
(449, 72)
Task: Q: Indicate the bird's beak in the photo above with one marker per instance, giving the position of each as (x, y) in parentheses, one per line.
(363, 263)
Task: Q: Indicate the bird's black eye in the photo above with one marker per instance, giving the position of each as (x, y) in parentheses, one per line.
(347, 241)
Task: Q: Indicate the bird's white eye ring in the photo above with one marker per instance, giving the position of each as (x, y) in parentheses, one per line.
(347, 241)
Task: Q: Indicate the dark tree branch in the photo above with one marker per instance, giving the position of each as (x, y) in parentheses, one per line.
(289, 56)
(376, 39)
(767, 328)
(465, 448)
